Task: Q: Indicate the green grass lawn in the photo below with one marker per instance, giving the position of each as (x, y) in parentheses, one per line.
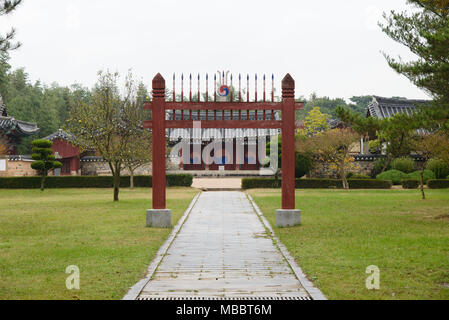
(344, 232)
(43, 233)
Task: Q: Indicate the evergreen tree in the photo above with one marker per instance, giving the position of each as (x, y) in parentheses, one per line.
(6, 7)
(44, 159)
(426, 33)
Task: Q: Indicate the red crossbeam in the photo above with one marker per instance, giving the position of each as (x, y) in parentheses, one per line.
(218, 124)
(232, 106)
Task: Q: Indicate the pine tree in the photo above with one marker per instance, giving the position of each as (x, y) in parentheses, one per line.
(6, 7)
(426, 33)
(44, 160)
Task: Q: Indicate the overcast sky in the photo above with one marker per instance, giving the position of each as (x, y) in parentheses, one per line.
(330, 47)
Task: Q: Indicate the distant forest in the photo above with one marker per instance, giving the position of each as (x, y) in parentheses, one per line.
(49, 105)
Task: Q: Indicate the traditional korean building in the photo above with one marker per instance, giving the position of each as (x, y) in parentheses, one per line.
(382, 108)
(65, 152)
(245, 141)
(13, 130)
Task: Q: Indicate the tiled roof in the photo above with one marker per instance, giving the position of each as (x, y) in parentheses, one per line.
(382, 107)
(60, 134)
(19, 158)
(8, 124)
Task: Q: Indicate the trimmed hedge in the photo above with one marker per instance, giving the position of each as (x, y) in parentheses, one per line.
(428, 175)
(438, 184)
(175, 180)
(439, 167)
(271, 183)
(359, 177)
(410, 184)
(394, 175)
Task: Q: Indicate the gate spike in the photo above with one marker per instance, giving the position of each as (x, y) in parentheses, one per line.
(207, 88)
(182, 87)
(174, 87)
(240, 87)
(272, 87)
(247, 88)
(215, 87)
(199, 99)
(255, 87)
(231, 90)
(264, 89)
(190, 91)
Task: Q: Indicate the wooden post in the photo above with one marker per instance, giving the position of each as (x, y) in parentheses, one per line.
(288, 143)
(159, 179)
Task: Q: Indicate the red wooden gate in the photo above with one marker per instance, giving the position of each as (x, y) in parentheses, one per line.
(159, 124)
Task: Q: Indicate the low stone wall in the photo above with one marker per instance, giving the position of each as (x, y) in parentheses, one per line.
(363, 164)
(97, 167)
(18, 168)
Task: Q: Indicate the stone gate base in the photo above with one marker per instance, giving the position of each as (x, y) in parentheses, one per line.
(288, 218)
(159, 218)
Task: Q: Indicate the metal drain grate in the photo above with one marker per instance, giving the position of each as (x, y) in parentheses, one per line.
(166, 298)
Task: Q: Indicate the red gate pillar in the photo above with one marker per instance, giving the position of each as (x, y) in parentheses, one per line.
(288, 215)
(159, 216)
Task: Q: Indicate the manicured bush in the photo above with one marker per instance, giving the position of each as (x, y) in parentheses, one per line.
(406, 165)
(428, 175)
(410, 184)
(268, 183)
(359, 177)
(378, 167)
(369, 184)
(438, 184)
(179, 180)
(176, 180)
(261, 183)
(439, 167)
(303, 165)
(394, 175)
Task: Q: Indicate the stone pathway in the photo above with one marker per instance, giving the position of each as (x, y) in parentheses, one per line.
(217, 183)
(223, 251)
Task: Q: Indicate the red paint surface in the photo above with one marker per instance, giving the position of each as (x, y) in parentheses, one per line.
(69, 156)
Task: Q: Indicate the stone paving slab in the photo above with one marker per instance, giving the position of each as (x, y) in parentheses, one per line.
(217, 183)
(223, 250)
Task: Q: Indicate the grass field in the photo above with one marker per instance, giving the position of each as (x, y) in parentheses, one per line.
(43, 233)
(344, 232)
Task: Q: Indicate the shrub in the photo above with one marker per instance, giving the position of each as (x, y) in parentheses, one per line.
(394, 175)
(439, 167)
(175, 180)
(378, 166)
(303, 165)
(410, 184)
(261, 183)
(406, 165)
(359, 177)
(428, 175)
(267, 183)
(438, 184)
(179, 180)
